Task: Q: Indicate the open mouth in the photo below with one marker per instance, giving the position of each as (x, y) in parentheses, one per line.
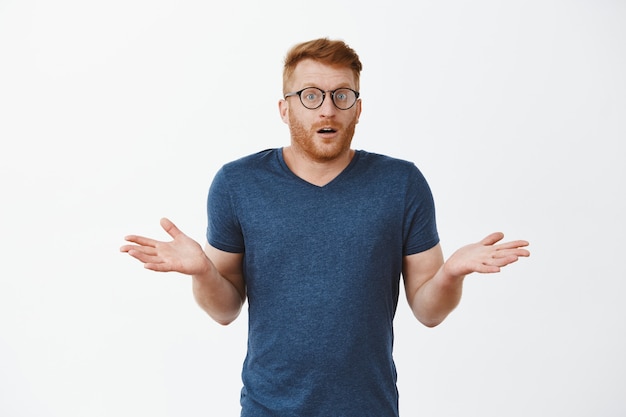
(326, 130)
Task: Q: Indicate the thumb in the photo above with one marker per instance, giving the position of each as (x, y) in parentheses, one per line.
(170, 228)
(492, 239)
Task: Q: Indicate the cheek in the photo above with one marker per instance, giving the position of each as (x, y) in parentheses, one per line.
(296, 119)
(295, 125)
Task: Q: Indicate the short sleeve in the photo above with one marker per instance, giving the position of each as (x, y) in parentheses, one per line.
(223, 228)
(420, 226)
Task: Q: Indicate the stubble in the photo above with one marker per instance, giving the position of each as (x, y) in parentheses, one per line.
(317, 148)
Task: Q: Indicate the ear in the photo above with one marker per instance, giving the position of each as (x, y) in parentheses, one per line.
(283, 108)
(358, 110)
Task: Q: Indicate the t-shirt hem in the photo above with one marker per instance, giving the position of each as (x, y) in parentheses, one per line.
(422, 248)
(224, 247)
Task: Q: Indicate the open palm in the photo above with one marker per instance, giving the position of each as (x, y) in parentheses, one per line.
(182, 254)
(485, 256)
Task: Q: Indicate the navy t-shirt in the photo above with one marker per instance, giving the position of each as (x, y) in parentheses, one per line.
(322, 267)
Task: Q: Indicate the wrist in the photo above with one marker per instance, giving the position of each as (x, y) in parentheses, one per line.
(450, 274)
(205, 270)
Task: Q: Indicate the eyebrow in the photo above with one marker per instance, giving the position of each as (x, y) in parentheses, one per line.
(332, 89)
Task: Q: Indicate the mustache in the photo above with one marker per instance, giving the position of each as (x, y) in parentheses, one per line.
(326, 125)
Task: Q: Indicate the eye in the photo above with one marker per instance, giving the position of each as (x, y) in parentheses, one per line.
(311, 94)
(341, 96)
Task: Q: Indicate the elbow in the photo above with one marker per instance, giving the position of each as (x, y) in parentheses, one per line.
(224, 318)
(223, 322)
(223, 314)
(431, 323)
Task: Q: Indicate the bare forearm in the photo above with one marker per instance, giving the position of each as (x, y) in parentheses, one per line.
(217, 276)
(217, 296)
(434, 287)
(437, 298)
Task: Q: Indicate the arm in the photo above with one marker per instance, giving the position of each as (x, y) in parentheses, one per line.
(434, 287)
(218, 283)
(217, 298)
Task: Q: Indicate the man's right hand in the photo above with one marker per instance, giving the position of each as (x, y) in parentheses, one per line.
(182, 254)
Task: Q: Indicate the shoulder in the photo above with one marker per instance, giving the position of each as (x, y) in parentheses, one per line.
(250, 173)
(388, 166)
(252, 161)
(252, 165)
(373, 158)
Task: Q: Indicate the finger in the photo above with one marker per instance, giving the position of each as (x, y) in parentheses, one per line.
(142, 241)
(127, 248)
(519, 252)
(513, 244)
(147, 250)
(492, 239)
(504, 261)
(170, 228)
(144, 257)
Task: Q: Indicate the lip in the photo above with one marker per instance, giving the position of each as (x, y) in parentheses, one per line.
(327, 135)
(332, 131)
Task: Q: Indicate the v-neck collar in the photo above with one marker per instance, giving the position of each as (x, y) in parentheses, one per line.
(337, 178)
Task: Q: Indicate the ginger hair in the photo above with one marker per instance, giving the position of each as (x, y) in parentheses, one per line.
(329, 52)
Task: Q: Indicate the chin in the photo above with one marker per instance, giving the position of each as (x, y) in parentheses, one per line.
(320, 149)
(330, 152)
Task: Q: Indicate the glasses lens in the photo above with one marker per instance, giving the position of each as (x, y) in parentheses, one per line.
(344, 98)
(312, 97)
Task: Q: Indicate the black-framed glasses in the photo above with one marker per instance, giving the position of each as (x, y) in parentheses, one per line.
(313, 97)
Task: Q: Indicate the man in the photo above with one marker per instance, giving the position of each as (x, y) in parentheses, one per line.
(316, 236)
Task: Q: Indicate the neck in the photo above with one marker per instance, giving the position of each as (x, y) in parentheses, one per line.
(314, 171)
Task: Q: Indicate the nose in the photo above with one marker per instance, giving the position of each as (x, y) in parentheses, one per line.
(328, 107)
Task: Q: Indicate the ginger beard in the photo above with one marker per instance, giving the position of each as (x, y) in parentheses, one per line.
(318, 148)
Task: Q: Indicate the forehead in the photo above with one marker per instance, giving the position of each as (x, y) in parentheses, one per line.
(316, 74)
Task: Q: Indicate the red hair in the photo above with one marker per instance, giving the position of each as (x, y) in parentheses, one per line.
(329, 52)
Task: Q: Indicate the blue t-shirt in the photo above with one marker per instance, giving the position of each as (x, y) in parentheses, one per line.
(322, 267)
